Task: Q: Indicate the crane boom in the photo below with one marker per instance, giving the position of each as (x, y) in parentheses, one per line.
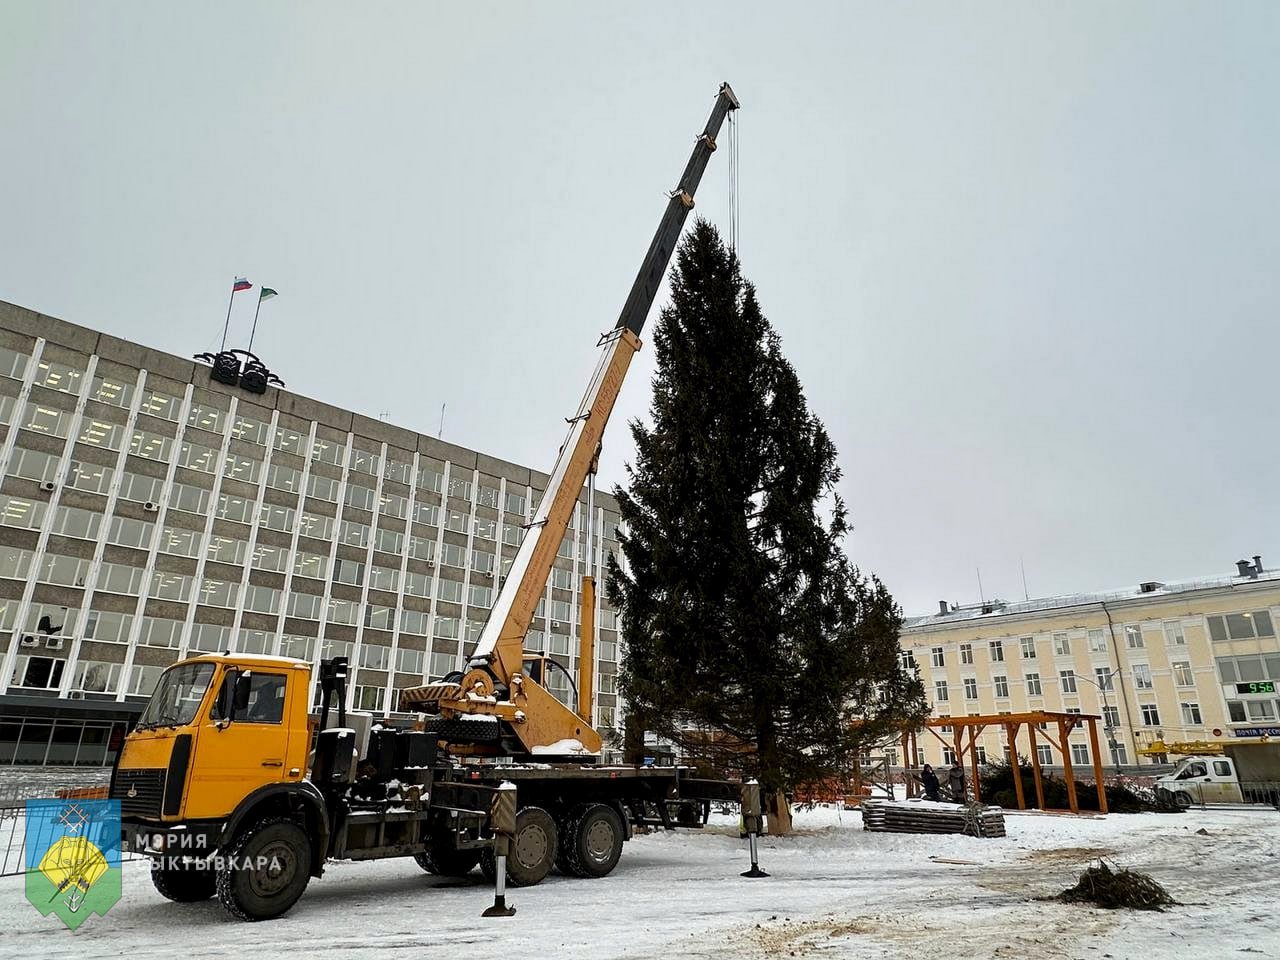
(495, 683)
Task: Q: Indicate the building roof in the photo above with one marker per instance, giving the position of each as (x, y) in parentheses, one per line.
(1149, 591)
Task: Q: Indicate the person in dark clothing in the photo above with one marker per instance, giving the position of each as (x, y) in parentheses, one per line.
(955, 781)
(930, 781)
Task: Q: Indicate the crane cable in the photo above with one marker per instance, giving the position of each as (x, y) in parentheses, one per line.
(734, 199)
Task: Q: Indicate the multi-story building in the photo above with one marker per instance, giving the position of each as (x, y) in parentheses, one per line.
(1196, 659)
(148, 512)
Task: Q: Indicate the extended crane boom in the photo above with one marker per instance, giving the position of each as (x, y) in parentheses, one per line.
(496, 684)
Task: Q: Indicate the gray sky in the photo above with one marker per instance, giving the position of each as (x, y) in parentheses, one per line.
(1024, 256)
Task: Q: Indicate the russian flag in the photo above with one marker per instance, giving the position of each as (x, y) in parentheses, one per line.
(241, 284)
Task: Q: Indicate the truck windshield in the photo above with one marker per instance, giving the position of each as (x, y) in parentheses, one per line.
(177, 696)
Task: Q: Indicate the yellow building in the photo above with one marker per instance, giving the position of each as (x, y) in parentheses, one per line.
(1196, 659)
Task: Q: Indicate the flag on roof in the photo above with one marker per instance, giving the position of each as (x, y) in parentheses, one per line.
(240, 284)
(266, 294)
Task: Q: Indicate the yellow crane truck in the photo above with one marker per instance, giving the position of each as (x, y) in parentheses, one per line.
(236, 788)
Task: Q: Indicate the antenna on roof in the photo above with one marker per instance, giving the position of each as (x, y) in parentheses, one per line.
(981, 596)
(1023, 565)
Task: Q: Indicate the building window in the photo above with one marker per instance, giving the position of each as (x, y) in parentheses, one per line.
(1068, 680)
(935, 654)
(1028, 648)
(1104, 678)
(322, 488)
(1261, 709)
(460, 487)
(1033, 685)
(970, 688)
(515, 503)
(948, 757)
(1061, 645)
(1133, 636)
(1097, 641)
(996, 649)
(160, 405)
(1044, 753)
(1150, 715)
(908, 660)
(449, 590)
(1001, 685)
(1182, 675)
(1191, 714)
(1080, 753)
(966, 653)
(940, 691)
(1241, 626)
(1173, 634)
(368, 698)
(1142, 676)
(1110, 717)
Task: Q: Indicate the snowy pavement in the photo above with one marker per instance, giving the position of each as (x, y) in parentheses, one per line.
(835, 891)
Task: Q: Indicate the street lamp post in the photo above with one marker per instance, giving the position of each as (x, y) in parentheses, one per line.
(1107, 726)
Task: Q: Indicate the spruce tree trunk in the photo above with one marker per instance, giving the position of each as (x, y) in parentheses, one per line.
(778, 813)
(633, 738)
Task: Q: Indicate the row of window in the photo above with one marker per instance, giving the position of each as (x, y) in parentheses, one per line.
(1235, 626)
(1104, 679)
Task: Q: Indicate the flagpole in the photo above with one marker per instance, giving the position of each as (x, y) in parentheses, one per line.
(227, 325)
(255, 321)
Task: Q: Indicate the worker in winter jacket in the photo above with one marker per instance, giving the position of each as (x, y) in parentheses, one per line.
(955, 781)
(930, 781)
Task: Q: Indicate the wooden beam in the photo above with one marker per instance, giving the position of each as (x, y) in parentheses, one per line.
(1011, 730)
(1035, 766)
(1067, 773)
(1097, 765)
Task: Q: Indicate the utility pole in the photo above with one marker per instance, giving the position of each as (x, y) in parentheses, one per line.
(1107, 726)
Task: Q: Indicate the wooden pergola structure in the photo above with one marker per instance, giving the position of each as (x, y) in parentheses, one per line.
(1037, 723)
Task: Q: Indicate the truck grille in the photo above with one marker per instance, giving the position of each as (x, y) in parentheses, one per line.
(139, 792)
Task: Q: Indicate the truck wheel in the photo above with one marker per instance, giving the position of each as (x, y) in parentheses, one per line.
(1181, 799)
(444, 861)
(533, 848)
(267, 869)
(593, 847)
(184, 883)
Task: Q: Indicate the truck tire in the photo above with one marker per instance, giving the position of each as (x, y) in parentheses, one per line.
(267, 869)
(593, 844)
(185, 883)
(444, 861)
(533, 848)
(1181, 799)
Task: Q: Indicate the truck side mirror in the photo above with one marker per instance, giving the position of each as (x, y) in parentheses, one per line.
(223, 708)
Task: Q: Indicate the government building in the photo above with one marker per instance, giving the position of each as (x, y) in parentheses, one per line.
(1177, 661)
(149, 512)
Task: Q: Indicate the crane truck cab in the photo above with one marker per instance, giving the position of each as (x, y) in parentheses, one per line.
(233, 787)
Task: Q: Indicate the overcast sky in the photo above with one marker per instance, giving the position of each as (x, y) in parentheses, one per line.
(1023, 256)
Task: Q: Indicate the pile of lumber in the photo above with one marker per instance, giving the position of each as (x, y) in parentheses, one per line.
(925, 816)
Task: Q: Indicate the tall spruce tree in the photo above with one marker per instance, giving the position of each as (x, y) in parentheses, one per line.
(751, 640)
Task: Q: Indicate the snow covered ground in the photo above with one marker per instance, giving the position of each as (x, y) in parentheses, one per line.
(835, 891)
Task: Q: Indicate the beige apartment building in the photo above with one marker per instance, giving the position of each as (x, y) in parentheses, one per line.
(1177, 661)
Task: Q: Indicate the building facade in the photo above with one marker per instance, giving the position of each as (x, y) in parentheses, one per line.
(1164, 661)
(148, 512)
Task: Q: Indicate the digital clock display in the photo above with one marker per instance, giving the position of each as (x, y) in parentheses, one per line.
(1262, 686)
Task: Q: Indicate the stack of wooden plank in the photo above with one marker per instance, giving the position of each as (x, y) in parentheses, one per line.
(924, 816)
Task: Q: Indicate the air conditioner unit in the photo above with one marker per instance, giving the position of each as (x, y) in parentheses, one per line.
(29, 641)
(431, 563)
(48, 486)
(151, 506)
(76, 695)
(54, 643)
